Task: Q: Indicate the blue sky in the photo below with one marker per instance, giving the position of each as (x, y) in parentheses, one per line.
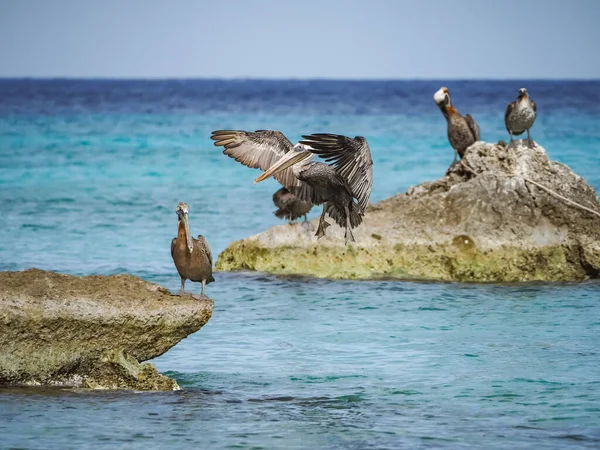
(371, 39)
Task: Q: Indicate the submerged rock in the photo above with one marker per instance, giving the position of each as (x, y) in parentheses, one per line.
(486, 221)
(90, 331)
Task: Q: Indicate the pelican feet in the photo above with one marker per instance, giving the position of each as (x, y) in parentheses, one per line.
(308, 227)
(348, 236)
(323, 225)
(180, 293)
(454, 167)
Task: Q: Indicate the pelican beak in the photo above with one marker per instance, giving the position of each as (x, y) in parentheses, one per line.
(188, 235)
(289, 159)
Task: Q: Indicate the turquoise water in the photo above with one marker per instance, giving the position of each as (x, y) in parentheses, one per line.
(90, 174)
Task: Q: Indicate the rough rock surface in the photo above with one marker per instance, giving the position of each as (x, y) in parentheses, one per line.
(481, 222)
(90, 331)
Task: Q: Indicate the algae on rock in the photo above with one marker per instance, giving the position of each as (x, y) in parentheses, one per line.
(482, 222)
(92, 331)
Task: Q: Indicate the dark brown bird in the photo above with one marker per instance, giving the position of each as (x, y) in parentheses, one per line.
(335, 185)
(462, 131)
(349, 176)
(520, 115)
(289, 206)
(192, 257)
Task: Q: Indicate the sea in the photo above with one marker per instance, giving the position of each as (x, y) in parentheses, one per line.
(91, 172)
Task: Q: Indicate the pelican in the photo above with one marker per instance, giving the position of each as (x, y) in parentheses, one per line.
(520, 115)
(260, 150)
(289, 206)
(336, 186)
(462, 131)
(192, 257)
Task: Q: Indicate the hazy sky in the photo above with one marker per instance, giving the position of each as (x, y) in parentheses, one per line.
(301, 39)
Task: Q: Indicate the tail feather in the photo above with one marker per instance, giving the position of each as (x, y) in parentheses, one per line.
(283, 214)
(339, 215)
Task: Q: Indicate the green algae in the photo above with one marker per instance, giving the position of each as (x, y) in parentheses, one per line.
(460, 260)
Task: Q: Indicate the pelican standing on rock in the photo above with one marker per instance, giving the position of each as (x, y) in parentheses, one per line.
(289, 206)
(462, 131)
(520, 115)
(260, 150)
(335, 186)
(192, 257)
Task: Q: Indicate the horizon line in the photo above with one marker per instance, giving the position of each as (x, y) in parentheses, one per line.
(199, 78)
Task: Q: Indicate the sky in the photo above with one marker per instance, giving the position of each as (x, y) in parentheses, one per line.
(368, 39)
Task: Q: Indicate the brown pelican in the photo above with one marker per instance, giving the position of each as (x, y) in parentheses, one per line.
(289, 206)
(462, 131)
(335, 186)
(520, 115)
(260, 150)
(192, 257)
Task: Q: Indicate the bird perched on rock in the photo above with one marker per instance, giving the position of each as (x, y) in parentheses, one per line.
(520, 115)
(290, 207)
(462, 131)
(192, 257)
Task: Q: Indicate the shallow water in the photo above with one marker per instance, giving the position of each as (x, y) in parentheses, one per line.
(90, 173)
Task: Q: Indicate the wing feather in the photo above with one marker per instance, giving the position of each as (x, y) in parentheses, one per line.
(473, 126)
(201, 240)
(260, 150)
(350, 157)
(509, 109)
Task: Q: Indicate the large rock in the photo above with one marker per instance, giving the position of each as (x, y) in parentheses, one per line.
(482, 222)
(90, 331)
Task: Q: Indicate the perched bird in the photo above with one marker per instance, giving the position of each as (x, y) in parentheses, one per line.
(520, 115)
(462, 131)
(336, 186)
(259, 150)
(192, 257)
(289, 206)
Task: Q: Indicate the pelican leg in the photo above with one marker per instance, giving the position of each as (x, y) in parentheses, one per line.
(203, 284)
(182, 291)
(529, 139)
(307, 225)
(348, 236)
(453, 165)
(322, 223)
(511, 136)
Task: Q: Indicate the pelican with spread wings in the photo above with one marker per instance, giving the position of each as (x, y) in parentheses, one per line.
(342, 187)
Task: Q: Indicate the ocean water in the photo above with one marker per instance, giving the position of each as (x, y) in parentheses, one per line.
(91, 172)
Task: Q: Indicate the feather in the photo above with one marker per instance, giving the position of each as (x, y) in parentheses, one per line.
(260, 150)
(350, 157)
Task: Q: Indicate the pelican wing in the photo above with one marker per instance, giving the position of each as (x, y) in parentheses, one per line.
(203, 243)
(509, 109)
(351, 159)
(534, 106)
(173, 245)
(473, 126)
(260, 150)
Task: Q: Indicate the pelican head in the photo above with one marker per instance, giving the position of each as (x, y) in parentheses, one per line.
(296, 155)
(442, 97)
(522, 92)
(182, 213)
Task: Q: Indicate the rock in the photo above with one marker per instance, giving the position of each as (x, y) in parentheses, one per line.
(90, 331)
(482, 222)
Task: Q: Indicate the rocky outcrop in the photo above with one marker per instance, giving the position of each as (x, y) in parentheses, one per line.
(488, 220)
(90, 331)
